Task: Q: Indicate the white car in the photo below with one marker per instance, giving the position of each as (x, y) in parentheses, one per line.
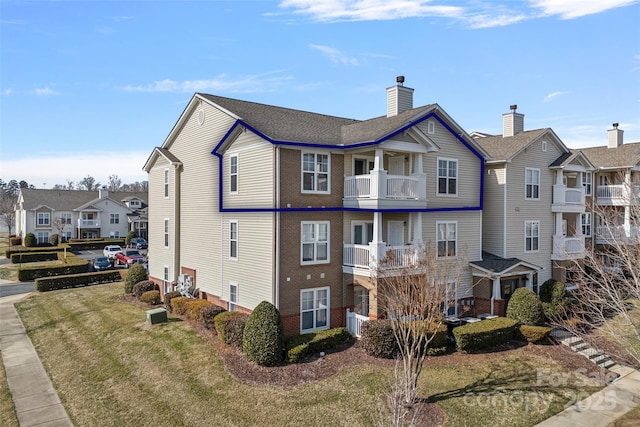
(111, 251)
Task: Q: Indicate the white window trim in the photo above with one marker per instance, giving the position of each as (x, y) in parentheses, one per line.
(587, 182)
(362, 223)
(368, 159)
(45, 237)
(166, 236)
(315, 173)
(232, 174)
(438, 223)
(584, 224)
(165, 278)
(233, 221)
(167, 178)
(114, 218)
(45, 215)
(233, 302)
(66, 218)
(431, 127)
(526, 170)
(328, 242)
(457, 178)
(328, 309)
(529, 251)
(544, 145)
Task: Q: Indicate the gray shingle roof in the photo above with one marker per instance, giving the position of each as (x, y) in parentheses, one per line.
(624, 156)
(500, 148)
(67, 200)
(496, 264)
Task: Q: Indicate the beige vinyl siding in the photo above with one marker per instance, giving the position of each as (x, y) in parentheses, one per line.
(159, 209)
(256, 166)
(493, 223)
(253, 270)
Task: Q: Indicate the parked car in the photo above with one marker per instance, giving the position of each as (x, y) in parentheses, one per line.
(101, 263)
(129, 257)
(111, 251)
(138, 243)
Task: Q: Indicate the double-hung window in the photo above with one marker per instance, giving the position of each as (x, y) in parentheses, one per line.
(233, 173)
(166, 183)
(114, 218)
(315, 173)
(447, 235)
(585, 220)
(531, 236)
(532, 183)
(44, 218)
(447, 176)
(314, 309)
(166, 232)
(65, 218)
(43, 237)
(587, 182)
(233, 239)
(233, 296)
(315, 242)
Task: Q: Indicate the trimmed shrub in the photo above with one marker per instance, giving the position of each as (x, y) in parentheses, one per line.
(130, 235)
(45, 284)
(73, 265)
(30, 240)
(553, 295)
(303, 345)
(179, 305)
(168, 297)
(377, 339)
(264, 335)
(193, 307)
(208, 314)
(26, 257)
(533, 333)
(227, 326)
(525, 307)
(15, 241)
(151, 297)
(483, 334)
(144, 286)
(54, 240)
(135, 274)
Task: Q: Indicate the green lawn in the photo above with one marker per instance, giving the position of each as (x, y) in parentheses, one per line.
(111, 368)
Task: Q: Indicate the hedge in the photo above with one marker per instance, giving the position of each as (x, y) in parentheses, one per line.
(303, 345)
(208, 315)
(25, 258)
(483, 334)
(533, 333)
(84, 245)
(9, 252)
(45, 284)
(378, 340)
(193, 307)
(227, 327)
(73, 265)
(179, 305)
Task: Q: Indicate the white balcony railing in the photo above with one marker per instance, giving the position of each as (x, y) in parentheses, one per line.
(361, 256)
(84, 223)
(568, 199)
(619, 194)
(617, 234)
(568, 247)
(379, 185)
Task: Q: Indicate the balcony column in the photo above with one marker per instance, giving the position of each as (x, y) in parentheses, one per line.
(377, 247)
(378, 176)
(529, 281)
(495, 294)
(417, 228)
(559, 176)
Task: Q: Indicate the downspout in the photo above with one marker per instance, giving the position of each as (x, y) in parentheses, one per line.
(504, 214)
(176, 213)
(277, 232)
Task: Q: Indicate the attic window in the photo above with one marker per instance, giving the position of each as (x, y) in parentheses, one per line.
(544, 145)
(431, 127)
(201, 116)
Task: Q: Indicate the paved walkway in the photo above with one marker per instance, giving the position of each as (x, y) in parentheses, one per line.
(36, 401)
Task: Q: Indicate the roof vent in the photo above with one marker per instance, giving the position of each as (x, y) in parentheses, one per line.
(399, 98)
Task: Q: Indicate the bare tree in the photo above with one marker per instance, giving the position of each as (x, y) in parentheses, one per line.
(114, 183)
(59, 223)
(88, 183)
(415, 291)
(607, 302)
(8, 198)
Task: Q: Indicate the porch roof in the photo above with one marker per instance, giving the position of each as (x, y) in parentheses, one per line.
(494, 265)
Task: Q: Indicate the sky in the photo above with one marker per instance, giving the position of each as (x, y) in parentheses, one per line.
(89, 88)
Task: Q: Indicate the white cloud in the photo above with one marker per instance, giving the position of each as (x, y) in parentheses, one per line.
(221, 83)
(45, 91)
(334, 55)
(553, 95)
(570, 9)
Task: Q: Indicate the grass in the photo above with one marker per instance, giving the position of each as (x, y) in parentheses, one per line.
(7, 412)
(111, 368)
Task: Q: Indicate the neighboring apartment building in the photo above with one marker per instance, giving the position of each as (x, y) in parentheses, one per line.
(254, 202)
(616, 190)
(81, 214)
(534, 212)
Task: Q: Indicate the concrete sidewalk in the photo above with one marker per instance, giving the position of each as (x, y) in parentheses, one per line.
(603, 407)
(36, 401)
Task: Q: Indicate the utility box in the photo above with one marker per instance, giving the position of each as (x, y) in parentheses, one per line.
(157, 315)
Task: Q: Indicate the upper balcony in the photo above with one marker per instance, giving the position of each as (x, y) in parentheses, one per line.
(568, 248)
(618, 195)
(363, 259)
(568, 199)
(379, 190)
(617, 234)
(88, 223)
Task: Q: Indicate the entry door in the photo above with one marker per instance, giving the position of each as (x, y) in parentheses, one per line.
(396, 165)
(395, 233)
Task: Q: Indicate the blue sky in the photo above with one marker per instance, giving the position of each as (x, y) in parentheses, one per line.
(90, 87)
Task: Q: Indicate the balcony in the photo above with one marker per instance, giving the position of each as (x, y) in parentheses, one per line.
(570, 200)
(377, 190)
(363, 257)
(88, 223)
(607, 235)
(568, 248)
(618, 195)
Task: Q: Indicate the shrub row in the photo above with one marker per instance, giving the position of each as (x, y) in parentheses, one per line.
(73, 265)
(378, 340)
(23, 258)
(45, 284)
(10, 252)
(167, 299)
(303, 345)
(487, 333)
(208, 315)
(15, 241)
(88, 244)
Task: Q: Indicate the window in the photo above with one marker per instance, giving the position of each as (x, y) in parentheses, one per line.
(43, 237)
(233, 239)
(315, 242)
(361, 232)
(233, 173)
(314, 309)
(544, 145)
(587, 182)
(166, 183)
(65, 218)
(315, 173)
(447, 176)
(66, 236)
(532, 183)
(586, 224)
(531, 236)
(431, 127)
(44, 218)
(166, 232)
(165, 279)
(114, 218)
(114, 234)
(233, 296)
(447, 237)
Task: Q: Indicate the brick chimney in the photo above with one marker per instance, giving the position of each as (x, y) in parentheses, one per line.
(399, 98)
(615, 136)
(512, 123)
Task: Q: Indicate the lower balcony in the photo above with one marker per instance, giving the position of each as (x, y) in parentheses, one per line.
(619, 234)
(566, 199)
(362, 258)
(88, 223)
(567, 248)
(618, 195)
